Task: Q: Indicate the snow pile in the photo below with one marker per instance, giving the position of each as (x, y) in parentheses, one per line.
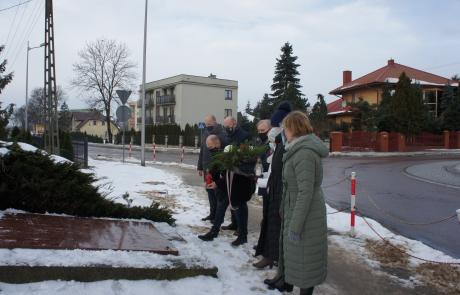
(340, 222)
(29, 148)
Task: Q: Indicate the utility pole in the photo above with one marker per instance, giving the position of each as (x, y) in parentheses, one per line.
(143, 88)
(49, 91)
(27, 83)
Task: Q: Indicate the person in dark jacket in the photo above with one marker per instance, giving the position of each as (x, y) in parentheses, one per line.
(268, 245)
(205, 158)
(242, 189)
(236, 136)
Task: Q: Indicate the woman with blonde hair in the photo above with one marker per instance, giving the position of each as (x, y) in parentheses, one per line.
(303, 237)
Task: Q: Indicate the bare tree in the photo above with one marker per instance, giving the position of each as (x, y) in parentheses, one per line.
(103, 68)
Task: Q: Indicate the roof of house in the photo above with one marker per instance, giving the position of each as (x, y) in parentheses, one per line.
(83, 116)
(390, 74)
(337, 107)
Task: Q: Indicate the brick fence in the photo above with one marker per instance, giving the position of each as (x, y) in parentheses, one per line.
(392, 141)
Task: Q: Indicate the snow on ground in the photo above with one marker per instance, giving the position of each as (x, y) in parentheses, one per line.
(236, 274)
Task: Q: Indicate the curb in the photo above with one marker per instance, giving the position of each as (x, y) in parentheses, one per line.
(31, 274)
(393, 155)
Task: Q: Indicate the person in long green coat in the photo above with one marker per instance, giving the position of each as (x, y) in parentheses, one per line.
(304, 225)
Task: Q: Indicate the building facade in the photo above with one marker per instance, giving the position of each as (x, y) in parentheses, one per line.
(186, 99)
(370, 88)
(92, 122)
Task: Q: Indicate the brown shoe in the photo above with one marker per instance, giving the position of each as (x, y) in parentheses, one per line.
(263, 263)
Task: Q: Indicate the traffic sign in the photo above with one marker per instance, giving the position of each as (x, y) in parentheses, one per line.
(123, 95)
(201, 125)
(123, 113)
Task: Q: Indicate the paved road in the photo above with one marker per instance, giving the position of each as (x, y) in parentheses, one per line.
(405, 198)
(384, 180)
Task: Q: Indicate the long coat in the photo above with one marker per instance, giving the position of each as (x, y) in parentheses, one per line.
(304, 213)
(268, 244)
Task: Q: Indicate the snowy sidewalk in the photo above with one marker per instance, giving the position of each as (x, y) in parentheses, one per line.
(352, 270)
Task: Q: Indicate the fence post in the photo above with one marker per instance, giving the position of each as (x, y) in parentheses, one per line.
(196, 141)
(166, 140)
(335, 141)
(457, 143)
(383, 142)
(181, 140)
(458, 215)
(446, 139)
(353, 205)
(182, 155)
(86, 152)
(401, 142)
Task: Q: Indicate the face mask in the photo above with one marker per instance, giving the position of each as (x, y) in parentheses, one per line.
(283, 138)
(214, 151)
(263, 136)
(210, 128)
(273, 133)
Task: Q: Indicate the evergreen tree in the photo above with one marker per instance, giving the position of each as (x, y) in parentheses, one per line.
(286, 85)
(248, 109)
(5, 113)
(451, 116)
(365, 116)
(65, 118)
(264, 108)
(384, 115)
(4, 79)
(446, 98)
(318, 116)
(407, 107)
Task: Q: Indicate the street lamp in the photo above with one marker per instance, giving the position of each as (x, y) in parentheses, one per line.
(143, 89)
(27, 82)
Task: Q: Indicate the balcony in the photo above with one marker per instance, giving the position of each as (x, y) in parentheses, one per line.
(165, 100)
(164, 120)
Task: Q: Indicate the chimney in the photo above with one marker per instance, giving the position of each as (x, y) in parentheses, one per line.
(391, 62)
(346, 77)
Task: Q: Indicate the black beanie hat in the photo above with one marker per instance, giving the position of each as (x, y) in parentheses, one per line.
(284, 108)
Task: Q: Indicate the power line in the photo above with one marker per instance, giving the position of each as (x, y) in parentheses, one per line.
(12, 24)
(8, 49)
(28, 30)
(13, 6)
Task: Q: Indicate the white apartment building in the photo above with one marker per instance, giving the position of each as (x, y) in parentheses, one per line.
(186, 99)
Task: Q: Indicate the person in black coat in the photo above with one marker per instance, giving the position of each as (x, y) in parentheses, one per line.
(242, 189)
(212, 128)
(270, 244)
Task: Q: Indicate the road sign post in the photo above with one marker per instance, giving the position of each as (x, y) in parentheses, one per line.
(123, 114)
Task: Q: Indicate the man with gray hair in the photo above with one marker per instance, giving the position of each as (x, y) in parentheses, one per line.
(205, 157)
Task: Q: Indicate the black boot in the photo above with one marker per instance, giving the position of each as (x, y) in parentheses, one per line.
(240, 241)
(209, 236)
(308, 291)
(281, 286)
(272, 281)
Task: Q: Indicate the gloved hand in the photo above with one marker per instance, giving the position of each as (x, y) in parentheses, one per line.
(293, 237)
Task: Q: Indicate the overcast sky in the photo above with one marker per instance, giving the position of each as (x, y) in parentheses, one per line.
(237, 39)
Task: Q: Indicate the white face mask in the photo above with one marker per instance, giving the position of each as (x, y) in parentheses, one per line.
(273, 133)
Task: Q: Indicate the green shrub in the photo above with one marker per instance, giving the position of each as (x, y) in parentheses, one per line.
(35, 183)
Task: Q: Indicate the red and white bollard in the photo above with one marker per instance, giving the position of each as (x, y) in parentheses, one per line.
(182, 155)
(154, 152)
(130, 148)
(353, 204)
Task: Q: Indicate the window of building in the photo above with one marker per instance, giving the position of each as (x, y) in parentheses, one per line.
(228, 113)
(94, 122)
(228, 95)
(430, 97)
